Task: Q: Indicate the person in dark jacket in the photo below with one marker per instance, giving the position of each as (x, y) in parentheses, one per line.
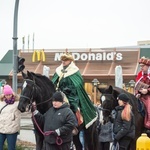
(58, 121)
(124, 123)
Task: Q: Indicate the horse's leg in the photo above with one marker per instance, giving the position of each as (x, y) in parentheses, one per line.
(39, 137)
(139, 130)
(39, 140)
(132, 145)
(91, 137)
(76, 142)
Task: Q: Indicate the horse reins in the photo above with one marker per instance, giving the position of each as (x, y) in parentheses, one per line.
(103, 109)
(58, 139)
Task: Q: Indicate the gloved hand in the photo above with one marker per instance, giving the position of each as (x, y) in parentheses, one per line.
(33, 107)
(115, 142)
(138, 96)
(55, 133)
(67, 90)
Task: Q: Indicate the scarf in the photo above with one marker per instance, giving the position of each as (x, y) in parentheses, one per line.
(10, 101)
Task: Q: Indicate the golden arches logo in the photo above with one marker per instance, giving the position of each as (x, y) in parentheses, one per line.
(38, 55)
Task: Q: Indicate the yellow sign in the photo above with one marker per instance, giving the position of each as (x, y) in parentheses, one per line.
(38, 55)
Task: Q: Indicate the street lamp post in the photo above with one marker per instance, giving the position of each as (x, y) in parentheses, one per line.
(127, 87)
(132, 84)
(95, 83)
(15, 53)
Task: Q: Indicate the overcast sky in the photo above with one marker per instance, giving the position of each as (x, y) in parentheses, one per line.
(75, 23)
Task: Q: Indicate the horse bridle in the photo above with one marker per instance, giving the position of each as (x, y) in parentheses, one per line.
(31, 99)
(104, 109)
(28, 98)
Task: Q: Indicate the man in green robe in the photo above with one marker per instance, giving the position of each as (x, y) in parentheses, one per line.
(68, 79)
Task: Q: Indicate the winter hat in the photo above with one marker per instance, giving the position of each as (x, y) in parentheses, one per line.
(7, 90)
(123, 97)
(58, 96)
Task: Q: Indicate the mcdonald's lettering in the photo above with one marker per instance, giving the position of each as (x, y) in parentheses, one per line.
(93, 56)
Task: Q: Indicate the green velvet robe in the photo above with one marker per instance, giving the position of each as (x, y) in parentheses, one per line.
(71, 79)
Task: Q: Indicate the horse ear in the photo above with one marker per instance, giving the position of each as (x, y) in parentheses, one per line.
(29, 74)
(101, 90)
(24, 75)
(110, 89)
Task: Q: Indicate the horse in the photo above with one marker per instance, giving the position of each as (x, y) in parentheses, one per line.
(108, 100)
(39, 88)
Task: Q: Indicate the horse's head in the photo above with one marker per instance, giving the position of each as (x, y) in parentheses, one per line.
(28, 92)
(108, 101)
(38, 88)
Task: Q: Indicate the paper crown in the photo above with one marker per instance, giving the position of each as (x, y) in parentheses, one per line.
(144, 60)
(66, 56)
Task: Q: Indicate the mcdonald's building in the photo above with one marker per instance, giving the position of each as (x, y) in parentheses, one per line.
(94, 63)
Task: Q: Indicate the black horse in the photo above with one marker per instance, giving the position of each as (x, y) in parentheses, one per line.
(40, 89)
(108, 101)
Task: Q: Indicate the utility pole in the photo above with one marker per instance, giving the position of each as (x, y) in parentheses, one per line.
(15, 52)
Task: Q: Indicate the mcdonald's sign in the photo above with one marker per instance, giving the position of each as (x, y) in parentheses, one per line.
(38, 55)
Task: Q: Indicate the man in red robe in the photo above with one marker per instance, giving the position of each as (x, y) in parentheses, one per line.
(142, 88)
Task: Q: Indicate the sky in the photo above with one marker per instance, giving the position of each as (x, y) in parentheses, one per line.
(74, 23)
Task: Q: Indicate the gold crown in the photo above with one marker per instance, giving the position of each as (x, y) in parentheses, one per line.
(66, 56)
(144, 60)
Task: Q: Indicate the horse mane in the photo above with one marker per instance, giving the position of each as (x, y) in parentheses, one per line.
(44, 82)
(47, 89)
